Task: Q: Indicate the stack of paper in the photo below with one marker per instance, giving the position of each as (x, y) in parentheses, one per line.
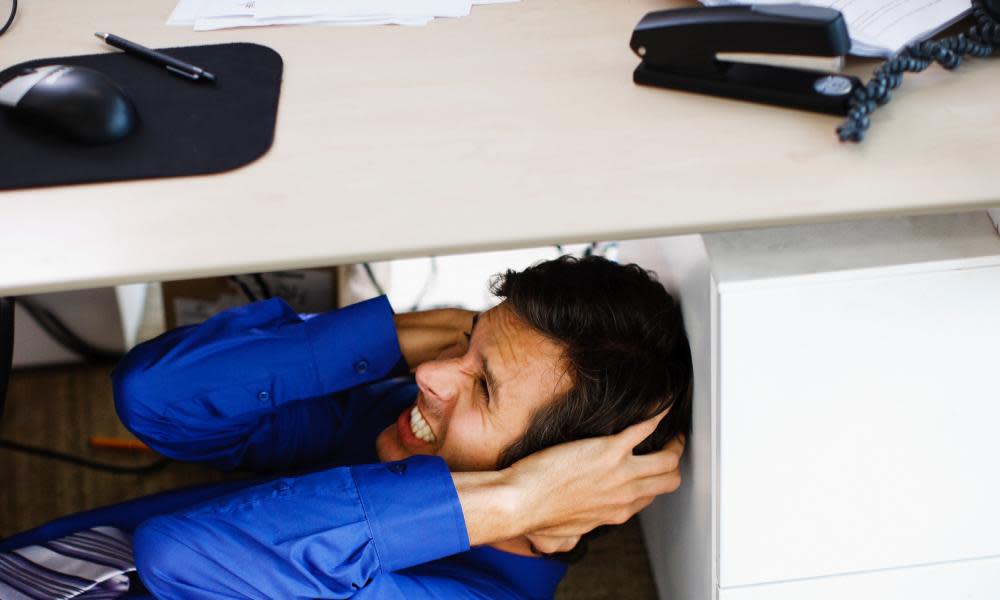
(881, 27)
(207, 15)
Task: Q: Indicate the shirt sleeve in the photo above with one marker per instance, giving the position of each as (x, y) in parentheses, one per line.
(253, 377)
(328, 534)
(468, 585)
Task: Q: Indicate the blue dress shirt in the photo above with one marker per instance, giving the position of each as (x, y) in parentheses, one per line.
(263, 388)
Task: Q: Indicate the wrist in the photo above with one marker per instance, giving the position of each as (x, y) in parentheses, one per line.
(424, 336)
(461, 326)
(494, 507)
(462, 321)
(456, 321)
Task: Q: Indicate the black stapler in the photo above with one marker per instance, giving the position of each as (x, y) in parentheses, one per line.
(678, 50)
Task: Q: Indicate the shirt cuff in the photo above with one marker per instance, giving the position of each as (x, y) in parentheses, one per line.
(354, 345)
(413, 511)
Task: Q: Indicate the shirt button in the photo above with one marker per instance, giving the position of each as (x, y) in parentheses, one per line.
(361, 366)
(263, 396)
(397, 468)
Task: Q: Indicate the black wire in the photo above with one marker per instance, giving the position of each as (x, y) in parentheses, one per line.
(259, 281)
(83, 462)
(59, 332)
(264, 288)
(371, 277)
(6, 347)
(62, 334)
(247, 292)
(10, 19)
(980, 41)
(420, 295)
(54, 327)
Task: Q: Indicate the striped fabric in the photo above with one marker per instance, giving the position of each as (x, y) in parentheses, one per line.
(88, 565)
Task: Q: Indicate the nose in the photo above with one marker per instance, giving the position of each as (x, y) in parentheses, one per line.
(440, 380)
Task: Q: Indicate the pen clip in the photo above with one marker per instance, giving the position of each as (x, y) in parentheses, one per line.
(182, 73)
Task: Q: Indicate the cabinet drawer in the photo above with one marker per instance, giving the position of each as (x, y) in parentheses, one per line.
(968, 580)
(859, 424)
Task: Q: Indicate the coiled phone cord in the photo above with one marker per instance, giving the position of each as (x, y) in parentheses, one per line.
(981, 40)
(10, 19)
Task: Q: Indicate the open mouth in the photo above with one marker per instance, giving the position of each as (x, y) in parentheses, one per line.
(419, 426)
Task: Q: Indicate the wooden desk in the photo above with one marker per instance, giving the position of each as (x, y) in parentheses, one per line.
(518, 125)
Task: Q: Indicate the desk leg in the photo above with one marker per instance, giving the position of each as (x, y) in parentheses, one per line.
(6, 347)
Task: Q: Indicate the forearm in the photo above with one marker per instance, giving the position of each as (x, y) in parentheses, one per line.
(424, 336)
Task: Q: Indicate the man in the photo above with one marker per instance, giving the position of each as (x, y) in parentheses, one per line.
(479, 470)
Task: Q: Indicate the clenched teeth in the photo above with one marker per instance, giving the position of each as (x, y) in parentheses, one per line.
(419, 426)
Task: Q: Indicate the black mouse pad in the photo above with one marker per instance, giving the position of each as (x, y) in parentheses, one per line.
(186, 127)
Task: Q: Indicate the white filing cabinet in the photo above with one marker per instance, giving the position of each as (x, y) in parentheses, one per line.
(846, 439)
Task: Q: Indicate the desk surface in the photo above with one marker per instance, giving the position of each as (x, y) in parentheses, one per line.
(518, 125)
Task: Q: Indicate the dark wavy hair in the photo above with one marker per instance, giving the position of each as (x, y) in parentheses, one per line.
(624, 342)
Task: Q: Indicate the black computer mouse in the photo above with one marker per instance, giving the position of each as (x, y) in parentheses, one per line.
(80, 103)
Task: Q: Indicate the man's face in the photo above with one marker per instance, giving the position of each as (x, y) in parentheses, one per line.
(473, 402)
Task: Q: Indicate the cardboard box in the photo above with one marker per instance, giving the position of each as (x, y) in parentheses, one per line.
(194, 300)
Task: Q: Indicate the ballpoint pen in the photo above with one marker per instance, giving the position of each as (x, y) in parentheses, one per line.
(172, 64)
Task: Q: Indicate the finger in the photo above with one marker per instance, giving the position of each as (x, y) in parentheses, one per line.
(656, 463)
(677, 444)
(625, 514)
(541, 544)
(656, 485)
(633, 435)
(568, 543)
(576, 528)
(640, 504)
(561, 531)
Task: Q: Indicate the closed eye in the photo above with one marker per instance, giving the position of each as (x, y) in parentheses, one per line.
(484, 390)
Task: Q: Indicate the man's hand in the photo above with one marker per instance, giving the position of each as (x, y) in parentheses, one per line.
(425, 335)
(573, 488)
(557, 495)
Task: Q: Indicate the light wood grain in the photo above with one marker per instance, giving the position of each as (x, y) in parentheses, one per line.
(518, 125)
